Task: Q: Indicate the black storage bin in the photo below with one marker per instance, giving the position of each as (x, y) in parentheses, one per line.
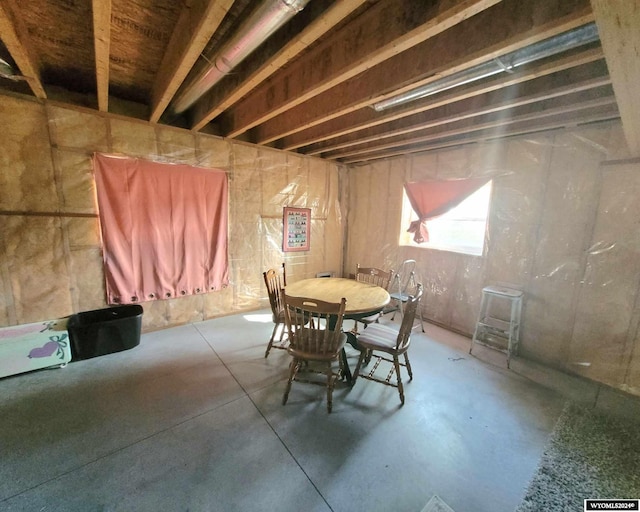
(104, 331)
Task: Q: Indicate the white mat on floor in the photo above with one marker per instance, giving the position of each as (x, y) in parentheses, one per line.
(436, 504)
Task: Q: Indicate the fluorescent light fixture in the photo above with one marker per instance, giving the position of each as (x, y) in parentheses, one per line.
(505, 63)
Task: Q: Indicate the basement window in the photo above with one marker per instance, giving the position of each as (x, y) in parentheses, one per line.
(461, 229)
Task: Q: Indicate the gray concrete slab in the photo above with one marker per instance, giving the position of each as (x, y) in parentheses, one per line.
(192, 420)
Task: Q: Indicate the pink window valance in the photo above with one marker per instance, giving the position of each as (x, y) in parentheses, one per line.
(164, 228)
(430, 199)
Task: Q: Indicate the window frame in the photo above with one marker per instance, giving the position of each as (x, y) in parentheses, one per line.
(408, 215)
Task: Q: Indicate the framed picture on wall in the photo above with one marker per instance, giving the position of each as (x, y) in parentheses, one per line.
(297, 229)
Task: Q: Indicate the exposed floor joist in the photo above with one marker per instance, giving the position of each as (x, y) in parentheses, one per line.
(15, 37)
(526, 127)
(218, 100)
(310, 84)
(619, 28)
(567, 95)
(443, 55)
(102, 41)
(549, 108)
(196, 25)
(384, 31)
(366, 118)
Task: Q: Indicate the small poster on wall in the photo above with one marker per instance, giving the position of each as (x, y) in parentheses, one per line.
(297, 229)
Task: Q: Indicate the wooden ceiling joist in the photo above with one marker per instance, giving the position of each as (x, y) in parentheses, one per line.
(526, 83)
(384, 31)
(367, 118)
(573, 96)
(101, 10)
(561, 121)
(619, 28)
(197, 23)
(560, 84)
(311, 85)
(219, 99)
(515, 27)
(554, 107)
(15, 37)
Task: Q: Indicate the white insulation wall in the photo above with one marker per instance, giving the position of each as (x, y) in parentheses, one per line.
(564, 225)
(50, 251)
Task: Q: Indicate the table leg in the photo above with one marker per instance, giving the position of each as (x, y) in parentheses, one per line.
(346, 371)
(352, 340)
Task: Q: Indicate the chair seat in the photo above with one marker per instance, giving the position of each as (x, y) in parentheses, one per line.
(324, 355)
(379, 337)
(278, 318)
(370, 319)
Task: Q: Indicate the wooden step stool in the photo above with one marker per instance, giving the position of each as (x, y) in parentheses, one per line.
(495, 332)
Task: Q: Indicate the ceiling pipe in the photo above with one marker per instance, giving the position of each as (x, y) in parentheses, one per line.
(263, 22)
(7, 71)
(505, 63)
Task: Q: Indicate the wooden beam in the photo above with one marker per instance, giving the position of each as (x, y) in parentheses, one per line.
(560, 84)
(381, 32)
(198, 21)
(217, 101)
(619, 27)
(15, 37)
(527, 127)
(366, 118)
(508, 26)
(102, 42)
(531, 113)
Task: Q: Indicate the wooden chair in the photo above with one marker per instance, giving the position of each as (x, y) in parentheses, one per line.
(275, 282)
(375, 276)
(403, 286)
(383, 339)
(315, 339)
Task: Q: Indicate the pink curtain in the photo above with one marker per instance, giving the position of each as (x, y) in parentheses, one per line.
(164, 228)
(430, 199)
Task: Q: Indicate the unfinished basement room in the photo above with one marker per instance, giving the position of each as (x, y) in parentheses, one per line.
(319, 255)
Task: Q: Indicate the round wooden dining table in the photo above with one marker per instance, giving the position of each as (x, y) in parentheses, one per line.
(363, 299)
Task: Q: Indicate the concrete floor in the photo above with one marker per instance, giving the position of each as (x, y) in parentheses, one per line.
(191, 419)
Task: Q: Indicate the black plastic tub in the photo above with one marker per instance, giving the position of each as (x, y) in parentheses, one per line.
(104, 331)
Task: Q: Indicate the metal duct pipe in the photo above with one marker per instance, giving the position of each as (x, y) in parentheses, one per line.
(505, 63)
(265, 20)
(7, 71)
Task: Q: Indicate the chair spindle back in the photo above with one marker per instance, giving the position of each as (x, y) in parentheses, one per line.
(410, 309)
(314, 326)
(374, 275)
(275, 282)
